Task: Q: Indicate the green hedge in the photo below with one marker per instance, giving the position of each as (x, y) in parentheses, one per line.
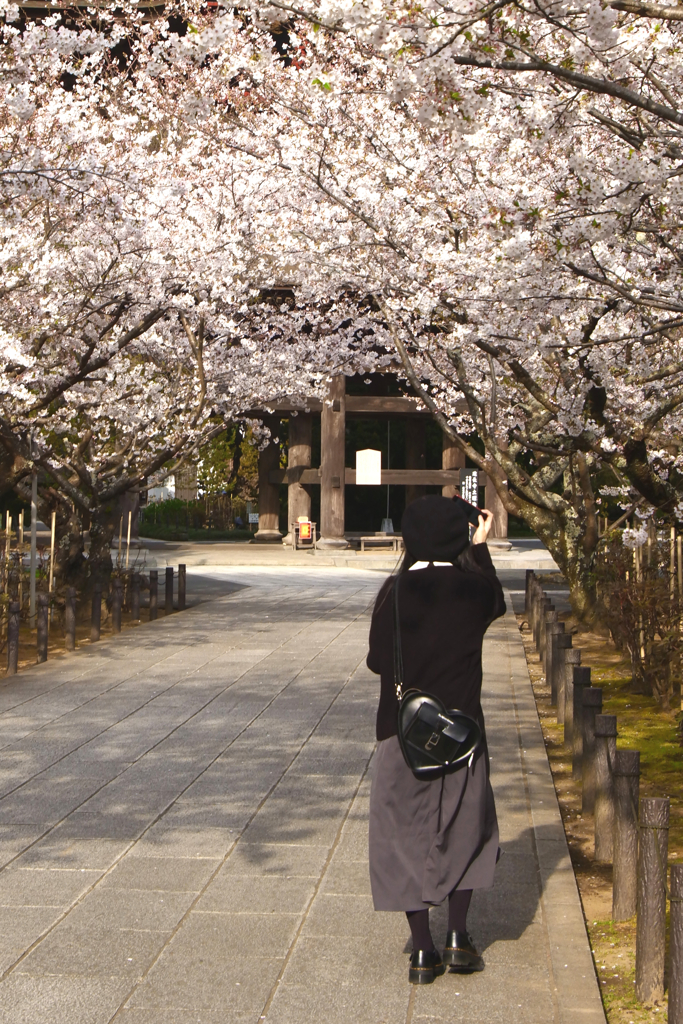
(159, 532)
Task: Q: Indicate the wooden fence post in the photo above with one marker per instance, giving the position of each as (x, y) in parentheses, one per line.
(581, 679)
(42, 627)
(555, 629)
(70, 619)
(542, 605)
(592, 706)
(116, 604)
(539, 598)
(547, 617)
(563, 643)
(135, 597)
(572, 659)
(675, 1015)
(528, 578)
(533, 598)
(536, 599)
(96, 613)
(168, 597)
(625, 854)
(605, 755)
(153, 593)
(13, 623)
(549, 620)
(651, 898)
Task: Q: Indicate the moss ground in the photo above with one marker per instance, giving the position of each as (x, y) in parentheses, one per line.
(642, 725)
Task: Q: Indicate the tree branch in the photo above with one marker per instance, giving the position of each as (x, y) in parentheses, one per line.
(587, 83)
(83, 371)
(590, 534)
(645, 10)
(196, 342)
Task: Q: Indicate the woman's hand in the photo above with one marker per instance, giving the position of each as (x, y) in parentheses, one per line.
(482, 531)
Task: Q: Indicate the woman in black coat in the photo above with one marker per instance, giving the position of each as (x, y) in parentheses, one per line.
(435, 839)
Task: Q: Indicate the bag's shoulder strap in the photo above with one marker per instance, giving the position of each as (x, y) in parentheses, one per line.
(398, 653)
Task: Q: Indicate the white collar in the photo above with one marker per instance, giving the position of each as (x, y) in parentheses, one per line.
(425, 565)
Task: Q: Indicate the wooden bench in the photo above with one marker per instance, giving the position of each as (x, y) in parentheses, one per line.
(395, 541)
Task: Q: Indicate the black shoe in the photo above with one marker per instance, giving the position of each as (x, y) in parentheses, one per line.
(460, 954)
(425, 965)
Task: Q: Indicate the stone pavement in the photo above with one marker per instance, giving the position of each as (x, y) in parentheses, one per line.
(524, 554)
(183, 829)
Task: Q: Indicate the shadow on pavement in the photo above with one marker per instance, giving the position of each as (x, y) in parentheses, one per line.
(503, 913)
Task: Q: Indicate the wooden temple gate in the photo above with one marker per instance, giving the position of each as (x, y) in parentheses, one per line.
(332, 476)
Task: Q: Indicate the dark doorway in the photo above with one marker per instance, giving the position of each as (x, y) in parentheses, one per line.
(366, 507)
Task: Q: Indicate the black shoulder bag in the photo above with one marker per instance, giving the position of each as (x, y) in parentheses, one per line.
(432, 739)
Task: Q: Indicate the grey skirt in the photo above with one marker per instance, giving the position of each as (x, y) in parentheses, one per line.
(429, 837)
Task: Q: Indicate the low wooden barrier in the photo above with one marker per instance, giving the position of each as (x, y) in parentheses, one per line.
(630, 834)
(124, 592)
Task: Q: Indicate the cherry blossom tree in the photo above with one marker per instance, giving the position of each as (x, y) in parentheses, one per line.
(483, 195)
(135, 241)
(120, 264)
(520, 240)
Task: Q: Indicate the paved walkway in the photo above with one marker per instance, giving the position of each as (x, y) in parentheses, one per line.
(525, 554)
(183, 829)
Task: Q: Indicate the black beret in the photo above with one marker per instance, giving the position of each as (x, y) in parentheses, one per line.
(435, 529)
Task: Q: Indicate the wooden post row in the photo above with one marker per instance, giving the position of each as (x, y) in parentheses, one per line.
(43, 615)
(610, 785)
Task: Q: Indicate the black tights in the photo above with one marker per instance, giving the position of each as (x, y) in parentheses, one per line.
(458, 905)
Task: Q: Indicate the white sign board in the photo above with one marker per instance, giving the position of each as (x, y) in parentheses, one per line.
(253, 517)
(368, 467)
(469, 485)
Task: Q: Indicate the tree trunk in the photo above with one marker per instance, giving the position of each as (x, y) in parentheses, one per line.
(70, 560)
(103, 523)
(72, 568)
(571, 547)
(568, 548)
